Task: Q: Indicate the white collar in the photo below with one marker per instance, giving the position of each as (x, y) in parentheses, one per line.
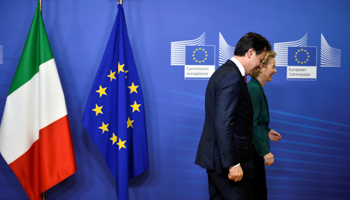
(239, 65)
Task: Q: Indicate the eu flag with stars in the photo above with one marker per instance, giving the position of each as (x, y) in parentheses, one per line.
(114, 114)
(200, 55)
(301, 56)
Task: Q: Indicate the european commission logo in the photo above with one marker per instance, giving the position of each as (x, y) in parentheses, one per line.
(199, 61)
(197, 58)
(302, 62)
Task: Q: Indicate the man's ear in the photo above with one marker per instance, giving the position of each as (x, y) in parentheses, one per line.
(250, 53)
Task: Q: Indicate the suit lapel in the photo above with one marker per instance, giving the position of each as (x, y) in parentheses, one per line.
(234, 66)
(267, 106)
(245, 90)
(263, 92)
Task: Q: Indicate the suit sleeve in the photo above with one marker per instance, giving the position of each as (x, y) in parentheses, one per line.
(258, 133)
(227, 96)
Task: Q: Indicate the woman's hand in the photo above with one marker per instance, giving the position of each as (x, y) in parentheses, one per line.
(269, 159)
(274, 135)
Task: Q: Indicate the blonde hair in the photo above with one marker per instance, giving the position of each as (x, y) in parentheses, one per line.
(269, 55)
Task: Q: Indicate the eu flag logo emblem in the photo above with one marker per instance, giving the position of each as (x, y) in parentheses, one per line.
(301, 56)
(199, 55)
(200, 61)
(114, 114)
(302, 63)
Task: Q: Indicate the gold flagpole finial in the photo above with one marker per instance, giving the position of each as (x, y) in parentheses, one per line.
(121, 2)
(40, 4)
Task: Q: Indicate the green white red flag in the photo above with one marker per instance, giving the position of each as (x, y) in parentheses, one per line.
(35, 138)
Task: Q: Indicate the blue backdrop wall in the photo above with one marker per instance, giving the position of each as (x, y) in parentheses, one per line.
(309, 107)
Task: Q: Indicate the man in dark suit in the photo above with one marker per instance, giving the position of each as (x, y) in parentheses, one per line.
(225, 147)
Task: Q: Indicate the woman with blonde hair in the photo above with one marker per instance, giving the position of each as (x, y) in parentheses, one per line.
(261, 130)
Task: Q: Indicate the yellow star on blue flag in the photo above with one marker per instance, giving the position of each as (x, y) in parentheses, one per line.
(122, 140)
(301, 56)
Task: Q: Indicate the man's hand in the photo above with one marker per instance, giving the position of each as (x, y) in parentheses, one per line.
(274, 136)
(269, 160)
(235, 173)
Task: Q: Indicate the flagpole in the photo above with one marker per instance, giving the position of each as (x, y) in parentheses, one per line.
(40, 4)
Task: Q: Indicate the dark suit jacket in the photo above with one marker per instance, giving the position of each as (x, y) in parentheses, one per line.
(261, 117)
(227, 134)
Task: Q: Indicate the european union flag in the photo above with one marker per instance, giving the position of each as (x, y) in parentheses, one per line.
(200, 55)
(301, 56)
(114, 114)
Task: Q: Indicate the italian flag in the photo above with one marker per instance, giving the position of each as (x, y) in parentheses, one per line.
(35, 138)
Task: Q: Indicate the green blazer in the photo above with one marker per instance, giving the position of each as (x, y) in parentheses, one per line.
(261, 117)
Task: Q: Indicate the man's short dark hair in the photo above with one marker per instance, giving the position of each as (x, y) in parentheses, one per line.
(252, 41)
